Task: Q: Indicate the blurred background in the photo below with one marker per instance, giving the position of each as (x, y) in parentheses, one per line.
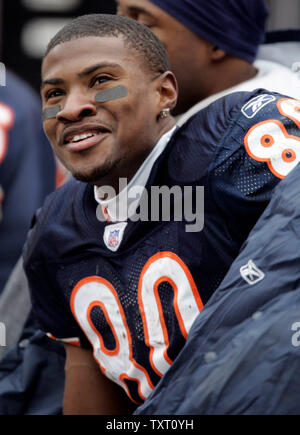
(27, 26)
(284, 14)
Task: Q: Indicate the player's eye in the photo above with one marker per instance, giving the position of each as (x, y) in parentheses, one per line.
(100, 80)
(148, 24)
(53, 93)
(146, 19)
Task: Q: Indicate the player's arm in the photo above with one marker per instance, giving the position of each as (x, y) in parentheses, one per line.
(87, 390)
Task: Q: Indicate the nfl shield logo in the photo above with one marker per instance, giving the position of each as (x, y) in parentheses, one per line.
(113, 238)
(113, 235)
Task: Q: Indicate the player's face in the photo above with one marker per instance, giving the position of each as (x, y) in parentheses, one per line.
(100, 142)
(189, 54)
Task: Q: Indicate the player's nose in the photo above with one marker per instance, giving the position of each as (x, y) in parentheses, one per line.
(77, 105)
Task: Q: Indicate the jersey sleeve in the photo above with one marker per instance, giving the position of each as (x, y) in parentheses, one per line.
(49, 306)
(259, 147)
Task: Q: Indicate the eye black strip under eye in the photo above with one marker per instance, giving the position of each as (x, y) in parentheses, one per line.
(101, 97)
(111, 94)
(50, 112)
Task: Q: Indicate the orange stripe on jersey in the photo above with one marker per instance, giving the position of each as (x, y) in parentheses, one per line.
(73, 341)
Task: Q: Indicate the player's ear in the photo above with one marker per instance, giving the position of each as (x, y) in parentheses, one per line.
(216, 53)
(168, 90)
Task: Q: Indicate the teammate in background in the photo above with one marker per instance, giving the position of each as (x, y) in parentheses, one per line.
(212, 47)
(27, 168)
(123, 294)
(242, 355)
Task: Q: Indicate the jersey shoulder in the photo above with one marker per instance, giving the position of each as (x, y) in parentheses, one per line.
(53, 219)
(252, 123)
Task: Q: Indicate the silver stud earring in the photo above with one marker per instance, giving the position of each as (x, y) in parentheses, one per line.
(165, 113)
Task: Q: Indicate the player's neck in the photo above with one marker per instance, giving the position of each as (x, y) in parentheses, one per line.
(130, 169)
(234, 72)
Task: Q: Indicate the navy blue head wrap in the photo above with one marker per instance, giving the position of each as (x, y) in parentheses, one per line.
(235, 26)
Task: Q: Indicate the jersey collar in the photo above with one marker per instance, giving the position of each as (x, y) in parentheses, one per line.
(115, 209)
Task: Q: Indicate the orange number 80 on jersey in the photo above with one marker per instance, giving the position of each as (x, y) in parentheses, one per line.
(268, 141)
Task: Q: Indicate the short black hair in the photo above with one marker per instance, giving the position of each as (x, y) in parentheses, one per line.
(135, 35)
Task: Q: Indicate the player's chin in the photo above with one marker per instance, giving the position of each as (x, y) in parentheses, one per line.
(93, 175)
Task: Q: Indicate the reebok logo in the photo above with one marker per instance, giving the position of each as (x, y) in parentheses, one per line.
(253, 106)
(251, 273)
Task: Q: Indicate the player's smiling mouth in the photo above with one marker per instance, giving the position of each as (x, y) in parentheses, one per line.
(84, 137)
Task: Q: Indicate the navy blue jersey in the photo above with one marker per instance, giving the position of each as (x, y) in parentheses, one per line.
(27, 168)
(135, 305)
(242, 355)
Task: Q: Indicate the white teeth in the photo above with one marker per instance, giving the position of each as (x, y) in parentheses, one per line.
(79, 137)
